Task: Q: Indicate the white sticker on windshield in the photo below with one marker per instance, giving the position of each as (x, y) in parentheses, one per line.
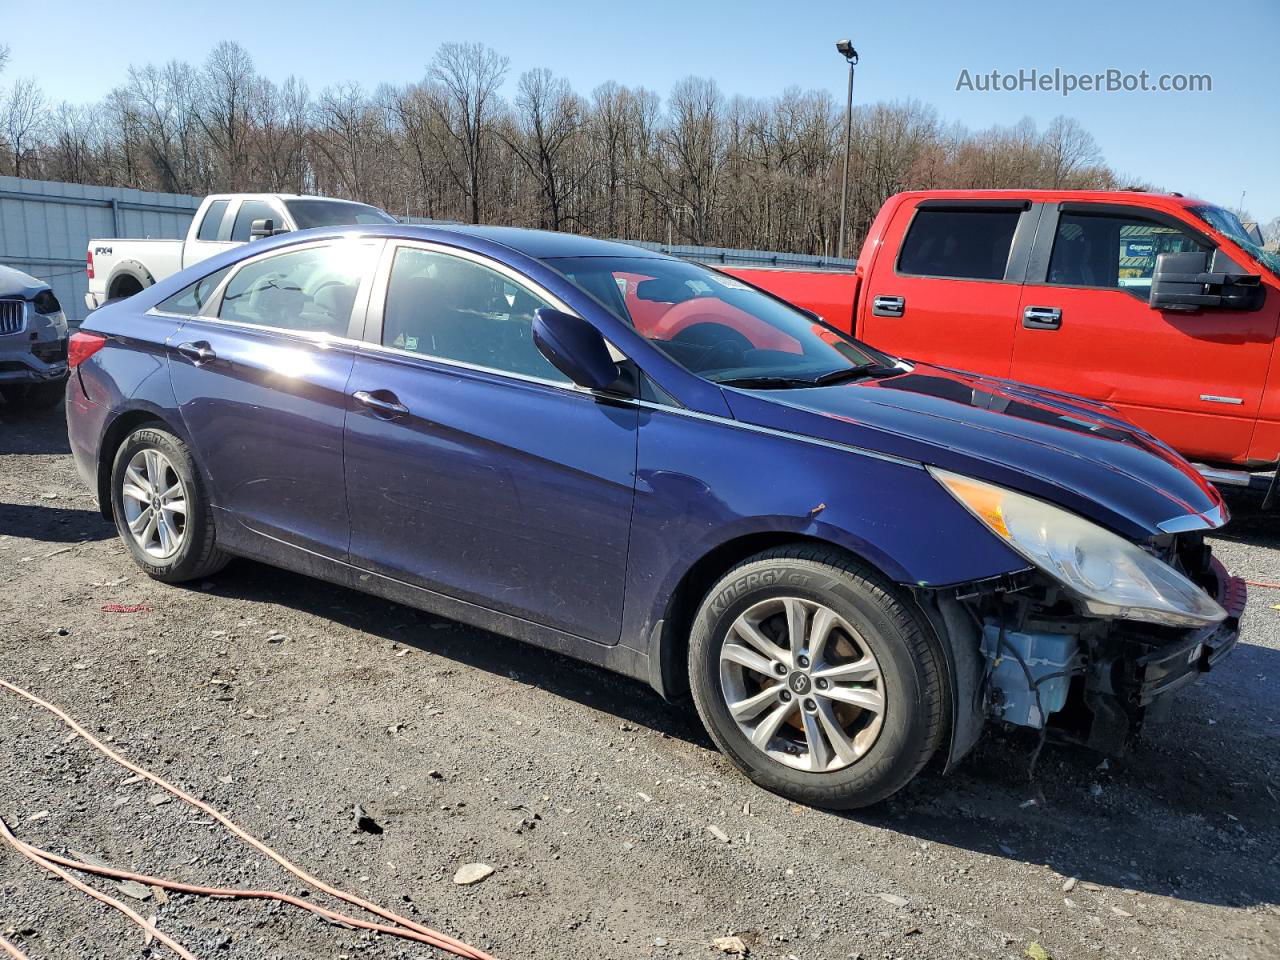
(729, 282)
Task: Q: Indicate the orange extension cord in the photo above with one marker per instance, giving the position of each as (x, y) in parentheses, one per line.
(404, 927)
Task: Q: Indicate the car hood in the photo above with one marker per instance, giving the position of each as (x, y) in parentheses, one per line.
(1073, 452)
(15, 283)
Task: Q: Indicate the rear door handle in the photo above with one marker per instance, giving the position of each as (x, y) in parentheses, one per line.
(1042, 318)
(387, 406)
(888, 306)
(198, 353)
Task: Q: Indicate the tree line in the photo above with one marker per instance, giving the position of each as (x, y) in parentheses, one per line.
(698, 166)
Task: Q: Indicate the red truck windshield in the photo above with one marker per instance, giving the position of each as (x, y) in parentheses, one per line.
(1226, 222)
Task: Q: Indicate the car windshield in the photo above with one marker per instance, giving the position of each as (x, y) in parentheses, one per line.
(719, 327)
(1226, 222)
(334, 213)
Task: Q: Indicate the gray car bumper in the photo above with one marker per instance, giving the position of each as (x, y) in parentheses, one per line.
(37, 352)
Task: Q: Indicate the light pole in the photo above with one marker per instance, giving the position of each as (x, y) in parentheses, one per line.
(850, 55)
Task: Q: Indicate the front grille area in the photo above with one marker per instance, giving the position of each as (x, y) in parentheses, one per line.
(13, 316)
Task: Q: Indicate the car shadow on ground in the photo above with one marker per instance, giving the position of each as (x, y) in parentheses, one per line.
(41, 432)
(53, 524)
(583, 683)
(1156, 821)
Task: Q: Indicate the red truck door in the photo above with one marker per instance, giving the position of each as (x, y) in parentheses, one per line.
(948, 293)
(1195, 380)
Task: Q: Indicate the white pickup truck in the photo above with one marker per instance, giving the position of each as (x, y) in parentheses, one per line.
(121, 268)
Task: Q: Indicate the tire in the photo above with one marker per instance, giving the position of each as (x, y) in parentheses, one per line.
(191, 551)
(880, 748)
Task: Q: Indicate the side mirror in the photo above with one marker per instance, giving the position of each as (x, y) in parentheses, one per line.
(575, 348)
(1188, 282)
(262, 228)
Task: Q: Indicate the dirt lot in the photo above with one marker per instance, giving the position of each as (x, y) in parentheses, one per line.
(590, 797)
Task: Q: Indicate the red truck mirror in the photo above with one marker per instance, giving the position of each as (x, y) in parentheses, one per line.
(1188, 282)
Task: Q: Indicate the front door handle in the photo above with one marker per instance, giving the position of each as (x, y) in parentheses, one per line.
(1042, 318)
(198, 353)
(888, 306)
(387, 406)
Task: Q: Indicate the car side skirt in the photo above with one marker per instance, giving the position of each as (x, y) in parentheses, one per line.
(255, 545)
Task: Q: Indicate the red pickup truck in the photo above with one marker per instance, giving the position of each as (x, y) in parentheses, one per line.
(1158, 304)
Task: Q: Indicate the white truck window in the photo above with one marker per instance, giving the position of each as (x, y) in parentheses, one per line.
(251, 210)
(212, 220)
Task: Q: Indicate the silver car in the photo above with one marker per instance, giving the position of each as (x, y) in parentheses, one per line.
(33, 341)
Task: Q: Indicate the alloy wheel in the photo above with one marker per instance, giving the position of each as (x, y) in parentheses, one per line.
(802, 684)
(155, 504)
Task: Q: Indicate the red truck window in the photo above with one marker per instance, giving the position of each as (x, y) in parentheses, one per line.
(964, 244)
(1110, 251)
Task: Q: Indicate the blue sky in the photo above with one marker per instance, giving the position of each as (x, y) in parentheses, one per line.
(1214, 145)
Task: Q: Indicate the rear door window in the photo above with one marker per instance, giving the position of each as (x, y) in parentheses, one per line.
(1099, 250)
(961, 244)
(311, 290)
(212, 220)
(191, 299)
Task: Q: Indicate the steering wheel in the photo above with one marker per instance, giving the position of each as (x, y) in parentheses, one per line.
(723, 346)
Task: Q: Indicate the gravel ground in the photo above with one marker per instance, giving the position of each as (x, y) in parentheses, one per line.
(285, 702)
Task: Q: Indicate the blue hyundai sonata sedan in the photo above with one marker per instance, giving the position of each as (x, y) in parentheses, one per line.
(852, 562)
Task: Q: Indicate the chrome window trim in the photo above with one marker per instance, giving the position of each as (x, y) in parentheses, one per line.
(369, 347)
(317, 339)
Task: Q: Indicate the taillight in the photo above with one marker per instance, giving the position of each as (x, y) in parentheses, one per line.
(88, 263)
(82, 346)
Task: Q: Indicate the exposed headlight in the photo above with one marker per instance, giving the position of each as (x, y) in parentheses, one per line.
(1109, 575)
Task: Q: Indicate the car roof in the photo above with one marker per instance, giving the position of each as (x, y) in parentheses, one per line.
(544, 244)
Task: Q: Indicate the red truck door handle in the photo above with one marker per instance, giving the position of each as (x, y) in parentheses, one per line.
(1042, 318)
(888, 306)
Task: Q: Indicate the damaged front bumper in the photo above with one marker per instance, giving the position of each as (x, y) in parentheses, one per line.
(1041, 663)
(1134, 671)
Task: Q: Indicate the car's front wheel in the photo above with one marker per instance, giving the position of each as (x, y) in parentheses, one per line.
(160, 507)
(816, 678)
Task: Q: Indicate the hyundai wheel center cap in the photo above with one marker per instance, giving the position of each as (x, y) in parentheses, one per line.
(799, 683)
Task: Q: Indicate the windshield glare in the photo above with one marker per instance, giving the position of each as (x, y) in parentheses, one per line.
(1226, 222)
(714, 325)
(334, 213)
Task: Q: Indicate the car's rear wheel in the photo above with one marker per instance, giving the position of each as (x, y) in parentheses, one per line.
(160, 507)
(816, 678)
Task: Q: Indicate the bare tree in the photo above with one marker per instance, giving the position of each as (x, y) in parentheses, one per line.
(468, 76)
(228, 83)
(1068, 149)
(694, 150)
(21, 123)
(550, 119)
